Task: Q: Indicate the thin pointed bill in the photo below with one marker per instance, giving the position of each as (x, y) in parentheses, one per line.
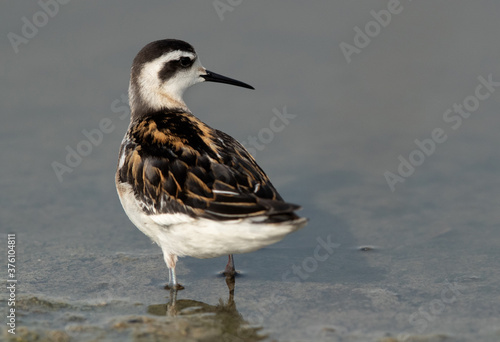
(213, 77)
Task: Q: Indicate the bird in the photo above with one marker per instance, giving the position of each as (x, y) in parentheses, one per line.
(192, 189)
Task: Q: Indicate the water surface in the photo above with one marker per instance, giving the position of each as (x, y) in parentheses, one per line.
(418, 261)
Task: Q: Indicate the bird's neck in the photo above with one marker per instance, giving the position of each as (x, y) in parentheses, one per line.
(142, 103)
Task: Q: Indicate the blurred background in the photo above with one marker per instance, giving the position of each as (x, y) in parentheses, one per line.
(391, 147)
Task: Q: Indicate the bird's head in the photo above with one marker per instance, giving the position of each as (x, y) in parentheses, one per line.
(162, 71)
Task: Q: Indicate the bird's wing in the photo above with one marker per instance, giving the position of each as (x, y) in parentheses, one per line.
(177, 164)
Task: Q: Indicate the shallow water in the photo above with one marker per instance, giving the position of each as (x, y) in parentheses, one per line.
(419, 263)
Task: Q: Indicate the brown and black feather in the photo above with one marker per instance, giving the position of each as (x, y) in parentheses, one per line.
(174, 162)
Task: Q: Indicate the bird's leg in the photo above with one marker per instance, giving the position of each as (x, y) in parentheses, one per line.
(230, 270)
(174, 278)
(169, 276)
(171, 260)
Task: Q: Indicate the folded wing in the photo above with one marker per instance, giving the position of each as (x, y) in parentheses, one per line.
(217, 180)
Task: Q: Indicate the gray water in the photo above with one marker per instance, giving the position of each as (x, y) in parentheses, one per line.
(412, 259)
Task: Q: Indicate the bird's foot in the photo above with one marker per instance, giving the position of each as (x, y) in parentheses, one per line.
(229, 272)
(175, 287)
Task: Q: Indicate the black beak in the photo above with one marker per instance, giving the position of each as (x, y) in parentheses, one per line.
(213, 77)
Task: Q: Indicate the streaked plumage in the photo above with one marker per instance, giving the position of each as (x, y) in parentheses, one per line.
(192, 189)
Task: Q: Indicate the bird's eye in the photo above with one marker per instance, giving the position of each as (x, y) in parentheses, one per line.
(185, 61)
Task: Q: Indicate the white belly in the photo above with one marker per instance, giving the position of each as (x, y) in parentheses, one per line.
(181, 235)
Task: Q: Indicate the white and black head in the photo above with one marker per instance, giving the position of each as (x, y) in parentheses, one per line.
(162, 71)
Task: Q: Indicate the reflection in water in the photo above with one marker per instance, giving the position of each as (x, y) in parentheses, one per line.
(225, 315)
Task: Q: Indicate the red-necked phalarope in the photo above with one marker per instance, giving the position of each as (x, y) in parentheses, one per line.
(192, 189)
